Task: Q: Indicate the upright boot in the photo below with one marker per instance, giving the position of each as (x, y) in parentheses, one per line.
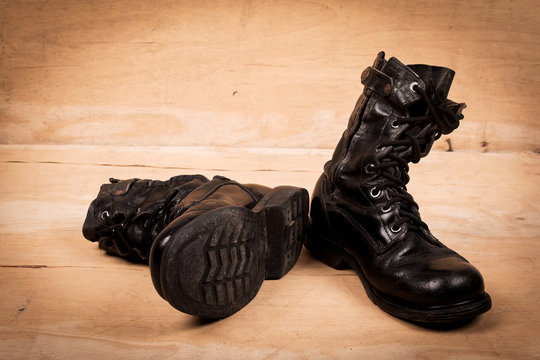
(362, 215)
(127, 215)
(225, 239)
(211, 243)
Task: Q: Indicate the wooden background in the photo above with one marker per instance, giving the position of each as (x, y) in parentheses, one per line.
(254, 73)
(259, 91)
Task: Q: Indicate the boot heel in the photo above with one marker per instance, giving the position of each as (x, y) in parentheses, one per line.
(211, 265)
(325, 250)
(285, 209)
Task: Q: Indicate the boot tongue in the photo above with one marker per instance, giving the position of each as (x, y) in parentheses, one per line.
(440, 77)
(439, 80)
(436, 79)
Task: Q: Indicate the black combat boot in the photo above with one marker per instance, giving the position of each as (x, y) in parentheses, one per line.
(364, 218)
(127, 215)
(225, 239)
(211, 243)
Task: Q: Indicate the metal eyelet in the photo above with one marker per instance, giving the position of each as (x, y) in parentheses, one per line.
(104, 215)
(369, 169)
(374, 194)
(394, 124)
(386, 209)
(413, 84)
(394, 230)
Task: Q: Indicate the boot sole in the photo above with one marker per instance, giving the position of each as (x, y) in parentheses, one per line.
(214, 266)
(338, 258)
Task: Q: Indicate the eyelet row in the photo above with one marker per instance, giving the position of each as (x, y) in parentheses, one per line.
(117, 217)
(385, 209)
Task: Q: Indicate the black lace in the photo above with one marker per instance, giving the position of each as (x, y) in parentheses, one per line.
(117, 224)
(441, 118)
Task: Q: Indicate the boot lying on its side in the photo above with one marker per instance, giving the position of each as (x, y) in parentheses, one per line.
(210, 243)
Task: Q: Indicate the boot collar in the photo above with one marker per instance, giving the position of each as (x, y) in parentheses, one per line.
(396, 81)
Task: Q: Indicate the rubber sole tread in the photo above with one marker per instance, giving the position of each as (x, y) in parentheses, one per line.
(215, 264)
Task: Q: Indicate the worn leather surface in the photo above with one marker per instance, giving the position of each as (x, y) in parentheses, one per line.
(123, 208)
(409, 264)
(127, 215)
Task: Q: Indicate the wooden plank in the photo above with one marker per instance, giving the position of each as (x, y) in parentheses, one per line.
(270, 74)
(62, 298)
(186, 159)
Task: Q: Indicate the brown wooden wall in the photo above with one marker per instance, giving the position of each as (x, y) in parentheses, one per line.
(254, 73)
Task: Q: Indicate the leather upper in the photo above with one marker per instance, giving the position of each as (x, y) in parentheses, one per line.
(360, 202)
(127, 214)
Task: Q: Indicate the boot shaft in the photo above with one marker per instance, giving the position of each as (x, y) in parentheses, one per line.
(127, 215)
(402, 111)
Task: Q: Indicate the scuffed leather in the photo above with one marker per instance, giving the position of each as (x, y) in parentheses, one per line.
(402, 93)
(128, 203)
(130, 200)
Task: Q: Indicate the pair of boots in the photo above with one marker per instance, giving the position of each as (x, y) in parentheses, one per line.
(211, 243)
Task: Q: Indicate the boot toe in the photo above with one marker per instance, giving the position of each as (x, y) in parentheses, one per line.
(440, 281)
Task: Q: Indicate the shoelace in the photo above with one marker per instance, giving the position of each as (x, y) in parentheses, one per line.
(117, 223)
(393, 168)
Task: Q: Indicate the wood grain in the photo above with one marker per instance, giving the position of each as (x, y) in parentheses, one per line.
(63, 298)
(254, 73)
